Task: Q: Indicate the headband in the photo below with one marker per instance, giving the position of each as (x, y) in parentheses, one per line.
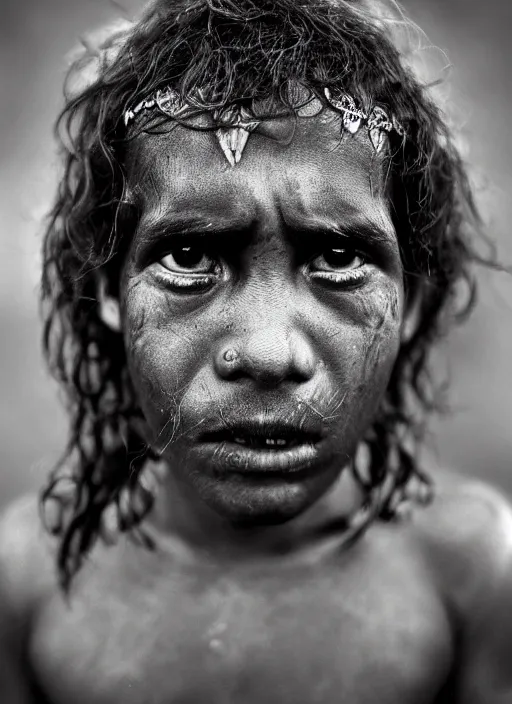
(240, 122)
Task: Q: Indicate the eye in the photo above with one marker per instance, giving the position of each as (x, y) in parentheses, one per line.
(339, 259)
(188, 269)
(339, 266)
(188, 260)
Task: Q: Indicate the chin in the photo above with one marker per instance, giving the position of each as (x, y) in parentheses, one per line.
(252, 502)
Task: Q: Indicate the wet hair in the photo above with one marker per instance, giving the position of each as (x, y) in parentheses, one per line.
(237, 51)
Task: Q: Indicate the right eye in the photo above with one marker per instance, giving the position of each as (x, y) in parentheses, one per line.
(339, 260)
(340, 266)
(188, 268)
(188, 260)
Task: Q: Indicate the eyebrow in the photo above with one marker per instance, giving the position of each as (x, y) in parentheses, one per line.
(176, 225)
(353, 225)
(172, 225)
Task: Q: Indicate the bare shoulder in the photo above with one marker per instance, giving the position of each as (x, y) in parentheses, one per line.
(467, 535)
(26, 554)
(26, 575)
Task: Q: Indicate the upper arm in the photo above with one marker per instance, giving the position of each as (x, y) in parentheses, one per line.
(14, 687)
(481, 520)
(486, 673)
(18, 586)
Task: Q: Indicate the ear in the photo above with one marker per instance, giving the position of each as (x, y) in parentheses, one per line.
(412, 314)
(109, 310)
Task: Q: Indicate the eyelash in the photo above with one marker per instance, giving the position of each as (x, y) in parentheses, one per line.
(350, 276)
(197, 282)
(188, 282)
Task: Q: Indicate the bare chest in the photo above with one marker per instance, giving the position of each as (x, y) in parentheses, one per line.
(311, 636)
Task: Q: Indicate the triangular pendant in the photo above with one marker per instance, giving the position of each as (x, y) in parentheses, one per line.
(233, 138)
(233, 141)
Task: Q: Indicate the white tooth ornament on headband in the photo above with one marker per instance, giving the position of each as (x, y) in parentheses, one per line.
(234, 137)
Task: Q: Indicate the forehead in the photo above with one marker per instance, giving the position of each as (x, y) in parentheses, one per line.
(306, 166)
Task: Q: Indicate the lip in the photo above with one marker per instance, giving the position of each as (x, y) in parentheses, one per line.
(230, 457)
(303, 432)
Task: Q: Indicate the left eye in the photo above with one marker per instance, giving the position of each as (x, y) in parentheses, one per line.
(340, 259)
(188, 260)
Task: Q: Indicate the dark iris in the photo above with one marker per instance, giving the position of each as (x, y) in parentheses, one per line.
(188, 257)
(339, 257)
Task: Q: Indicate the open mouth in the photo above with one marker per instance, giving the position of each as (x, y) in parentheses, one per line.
(253, 448)
(280, 440)
(266, 443)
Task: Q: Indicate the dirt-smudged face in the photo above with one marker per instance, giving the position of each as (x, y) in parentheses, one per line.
(288, 259)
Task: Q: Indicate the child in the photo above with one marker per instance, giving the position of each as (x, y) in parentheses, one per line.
(262, 230)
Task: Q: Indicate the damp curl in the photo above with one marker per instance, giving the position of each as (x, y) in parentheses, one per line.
(236, 51)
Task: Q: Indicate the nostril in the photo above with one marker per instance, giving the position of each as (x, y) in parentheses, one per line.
(269, 356)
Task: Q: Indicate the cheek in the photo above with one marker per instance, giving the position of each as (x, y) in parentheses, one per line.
(368, 344)
(381, 316)
(163, 352)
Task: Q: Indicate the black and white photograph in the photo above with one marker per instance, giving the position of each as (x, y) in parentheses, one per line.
(256, 350)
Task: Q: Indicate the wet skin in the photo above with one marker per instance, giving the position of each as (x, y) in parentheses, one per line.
(413, 613)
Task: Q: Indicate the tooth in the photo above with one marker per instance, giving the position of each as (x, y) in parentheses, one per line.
(276, 441)
(241, 441)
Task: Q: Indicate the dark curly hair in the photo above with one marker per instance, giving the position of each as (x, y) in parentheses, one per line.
(236, 51)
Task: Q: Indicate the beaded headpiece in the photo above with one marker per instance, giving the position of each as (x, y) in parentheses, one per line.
(240, 123)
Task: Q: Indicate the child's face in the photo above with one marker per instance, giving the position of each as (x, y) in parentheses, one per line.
(316, 330)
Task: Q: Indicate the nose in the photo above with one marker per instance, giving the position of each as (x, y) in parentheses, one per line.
(269, 355)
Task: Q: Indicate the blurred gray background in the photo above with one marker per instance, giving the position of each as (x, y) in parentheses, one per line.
(36, 38)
